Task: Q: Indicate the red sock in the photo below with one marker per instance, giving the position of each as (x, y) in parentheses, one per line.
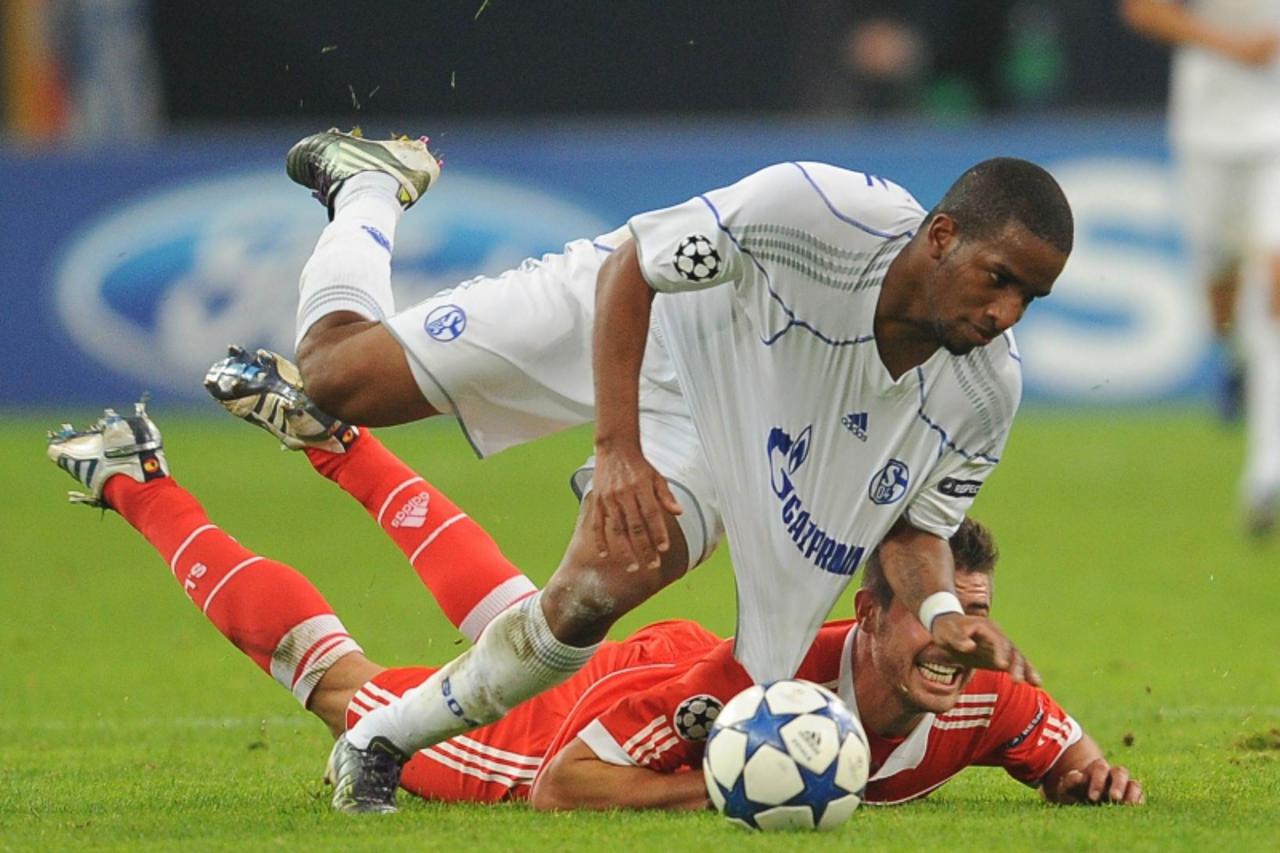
(267, 610)
(383, 689)
(458, 561)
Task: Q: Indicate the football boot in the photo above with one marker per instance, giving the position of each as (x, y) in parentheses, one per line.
(265, 389)
(322, 161)
(364, 780)
(115, 444)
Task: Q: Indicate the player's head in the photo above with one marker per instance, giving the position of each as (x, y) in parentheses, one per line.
(1001, 191)
(918, 673)
(998, 239)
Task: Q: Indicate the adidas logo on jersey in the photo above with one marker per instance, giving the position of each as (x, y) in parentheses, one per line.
(413, 513)
(856, 423)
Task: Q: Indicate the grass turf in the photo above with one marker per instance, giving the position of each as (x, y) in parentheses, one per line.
(129, 723)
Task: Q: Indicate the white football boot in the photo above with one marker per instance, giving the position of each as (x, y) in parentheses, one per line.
(117, 444)
(265, 389)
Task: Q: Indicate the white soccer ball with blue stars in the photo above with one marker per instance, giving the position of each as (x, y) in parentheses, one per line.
(786, 755)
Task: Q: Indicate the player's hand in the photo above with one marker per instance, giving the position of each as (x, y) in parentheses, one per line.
(631, 502)
(1097, 783)
(976, 641)
(1254, 50)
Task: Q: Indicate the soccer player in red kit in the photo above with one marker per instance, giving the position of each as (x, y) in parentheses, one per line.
(627, 728)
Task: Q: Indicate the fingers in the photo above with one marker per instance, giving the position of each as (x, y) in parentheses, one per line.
(1020, 669)
(627, 535)
(976, 641)
(599, 526)
(1097, 774)
(666, 498)
(953, 633)
(1109, 784)
(1069, 787)
(631, 524)
(1123, 790)
(1119, 782)
(1100, 783)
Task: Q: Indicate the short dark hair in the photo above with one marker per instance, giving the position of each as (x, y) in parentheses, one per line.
(990, 195)
(972, 548)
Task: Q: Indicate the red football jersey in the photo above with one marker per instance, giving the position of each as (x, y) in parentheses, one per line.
(643, 702)
(995, 722)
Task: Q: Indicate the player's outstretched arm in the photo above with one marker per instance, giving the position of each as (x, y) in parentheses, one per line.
(1174, 24)
(576, 778)
(1082, 776)
(921, 570)
(632, 498)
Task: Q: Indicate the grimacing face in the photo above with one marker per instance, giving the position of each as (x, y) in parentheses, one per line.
(980, 288)
(904, 655)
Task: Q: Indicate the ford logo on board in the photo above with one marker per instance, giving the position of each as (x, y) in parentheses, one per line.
(156, 288)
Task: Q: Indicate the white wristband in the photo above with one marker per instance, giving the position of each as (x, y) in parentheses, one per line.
(936, 605)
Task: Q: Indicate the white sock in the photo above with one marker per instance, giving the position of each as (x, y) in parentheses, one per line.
(350, 269)
(515, 658)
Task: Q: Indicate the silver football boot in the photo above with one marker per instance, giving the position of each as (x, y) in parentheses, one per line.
(322, 161)
(364, 780)
(265, 389)
(115, 444)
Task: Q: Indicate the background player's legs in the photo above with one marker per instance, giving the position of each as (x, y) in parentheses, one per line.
(1260, 328)
(527, 649)
(1261, 333)
(1215, 193)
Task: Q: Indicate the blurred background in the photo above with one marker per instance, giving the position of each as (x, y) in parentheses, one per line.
(149, 221)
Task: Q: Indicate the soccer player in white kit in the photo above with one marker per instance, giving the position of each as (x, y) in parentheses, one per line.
(804, 360)
(1224, 124)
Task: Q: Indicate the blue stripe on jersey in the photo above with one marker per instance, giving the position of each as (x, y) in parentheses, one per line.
(792, 322)
(849, 219)
(1013, 355)
(944, 440)
(608, 250)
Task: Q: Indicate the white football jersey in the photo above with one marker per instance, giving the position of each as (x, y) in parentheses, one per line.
(1217, 105)
(767, 297)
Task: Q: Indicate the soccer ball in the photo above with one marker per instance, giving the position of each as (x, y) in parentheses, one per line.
(786, 755)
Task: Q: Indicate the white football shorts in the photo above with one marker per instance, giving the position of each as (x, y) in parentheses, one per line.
(510, 357)
(1231, 206)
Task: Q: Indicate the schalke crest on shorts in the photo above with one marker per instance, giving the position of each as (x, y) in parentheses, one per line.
(446, 323)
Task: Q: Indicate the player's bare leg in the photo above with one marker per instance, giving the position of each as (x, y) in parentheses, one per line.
(1224, 307)
(353, 367)
(357, 371)
(587, 594)
(1223, 296)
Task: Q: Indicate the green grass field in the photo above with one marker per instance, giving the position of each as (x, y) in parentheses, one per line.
(129, 723)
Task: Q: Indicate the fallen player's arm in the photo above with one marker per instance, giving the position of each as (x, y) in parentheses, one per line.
(1081, 776)
(576, 778)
